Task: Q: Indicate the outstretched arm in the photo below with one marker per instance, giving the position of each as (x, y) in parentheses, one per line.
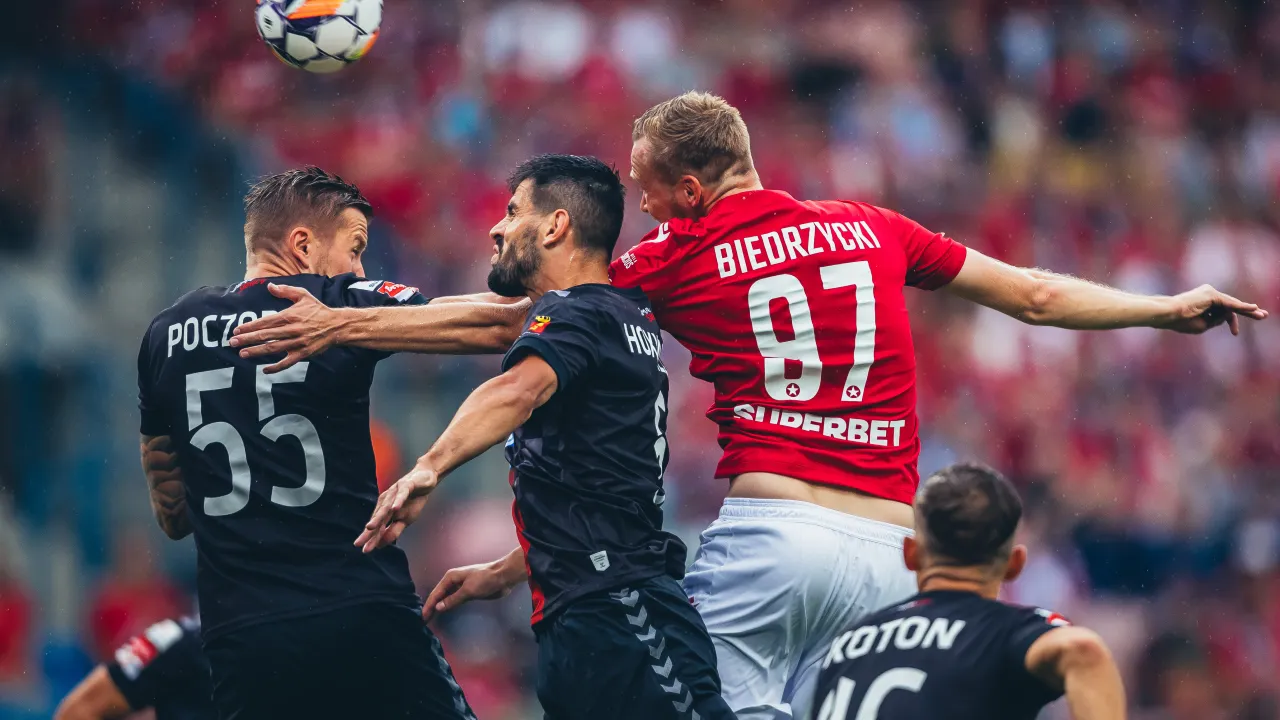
(1076, 660)
(470, 324)
(484, 297)
(164, 479)
(1039, 297)
(486, 417)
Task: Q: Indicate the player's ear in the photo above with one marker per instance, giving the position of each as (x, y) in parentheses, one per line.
(911, 553)
(300, 245)
(690, 191)
(1017, 561)
(557, 228)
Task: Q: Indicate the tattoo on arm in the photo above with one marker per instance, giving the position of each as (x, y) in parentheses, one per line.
(164, 480)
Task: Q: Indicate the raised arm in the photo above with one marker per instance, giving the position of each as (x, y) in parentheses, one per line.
(462, 325)
(1039, 297)
(1076, 660)
(164, 480)
(491, 413)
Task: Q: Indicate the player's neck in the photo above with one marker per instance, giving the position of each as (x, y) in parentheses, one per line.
(260, 266)
(576, 273)
(744, 183)
(959, 580)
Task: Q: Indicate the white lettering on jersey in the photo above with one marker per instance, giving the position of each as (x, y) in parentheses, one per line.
(789, 243)
(851, 429)
(641, 341)
(195, 332)
(905, 634)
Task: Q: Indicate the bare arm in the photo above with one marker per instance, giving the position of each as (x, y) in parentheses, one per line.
(95, 698)
(491, 413)
(1077, 660)
(1039, 297)
(164, 480)
(457, 325)
(485, 581)
(484, 297)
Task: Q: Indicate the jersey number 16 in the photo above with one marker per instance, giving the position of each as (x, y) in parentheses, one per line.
(836, 705)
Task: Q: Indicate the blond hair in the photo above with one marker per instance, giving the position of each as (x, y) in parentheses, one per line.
(696, 133)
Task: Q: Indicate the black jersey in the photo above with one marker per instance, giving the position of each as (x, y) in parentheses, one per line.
(164, 668)
(587, 466)
(279, 469)
(941, 655)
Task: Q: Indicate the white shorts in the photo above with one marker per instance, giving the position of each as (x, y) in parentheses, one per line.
(775, 582)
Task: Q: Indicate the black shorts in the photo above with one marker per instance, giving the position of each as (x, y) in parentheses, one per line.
(367, 661)
(641, 652)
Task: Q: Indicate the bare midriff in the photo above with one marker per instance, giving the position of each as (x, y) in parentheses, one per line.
(769, 486)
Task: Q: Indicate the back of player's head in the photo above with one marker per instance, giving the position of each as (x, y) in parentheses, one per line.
(308, 197)
(696, 133)
(966, 515)
(585, 187)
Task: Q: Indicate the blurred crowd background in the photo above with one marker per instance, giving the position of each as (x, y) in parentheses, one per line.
(1134, 143)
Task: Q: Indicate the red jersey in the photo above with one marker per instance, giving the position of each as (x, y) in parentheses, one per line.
(794, 312)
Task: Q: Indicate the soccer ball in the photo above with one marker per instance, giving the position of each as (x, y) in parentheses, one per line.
(320, 36)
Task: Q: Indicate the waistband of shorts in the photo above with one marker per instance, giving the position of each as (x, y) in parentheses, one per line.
(737, 509)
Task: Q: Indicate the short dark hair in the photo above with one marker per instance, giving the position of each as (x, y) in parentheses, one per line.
(307, 196)
(585, 187)
(968, 513)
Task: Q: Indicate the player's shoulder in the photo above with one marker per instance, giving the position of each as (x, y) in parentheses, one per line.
(583, 301)
(191, 301)
(1032, 614)
(657, 249)
(351, 290)
(858, 208)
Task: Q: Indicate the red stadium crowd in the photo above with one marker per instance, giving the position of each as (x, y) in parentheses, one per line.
(1136, 144)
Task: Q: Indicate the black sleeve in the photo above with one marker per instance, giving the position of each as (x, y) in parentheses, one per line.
(1026, 625)
(162, 656)
(563, 330)
(153, 422)
(358, 292)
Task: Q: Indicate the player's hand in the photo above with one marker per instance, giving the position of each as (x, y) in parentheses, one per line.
(397, 507)
(460, 585)
(301, 331)
(1196, 311)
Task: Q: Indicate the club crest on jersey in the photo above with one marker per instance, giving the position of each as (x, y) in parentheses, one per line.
(539, 324)
(647, 313)
(1052, 617)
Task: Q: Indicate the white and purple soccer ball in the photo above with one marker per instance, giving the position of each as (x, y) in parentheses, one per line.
(320, 36)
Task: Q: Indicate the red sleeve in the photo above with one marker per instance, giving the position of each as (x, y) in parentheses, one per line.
(933, 259)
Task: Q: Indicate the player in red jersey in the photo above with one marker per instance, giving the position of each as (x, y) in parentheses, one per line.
(795, 312)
